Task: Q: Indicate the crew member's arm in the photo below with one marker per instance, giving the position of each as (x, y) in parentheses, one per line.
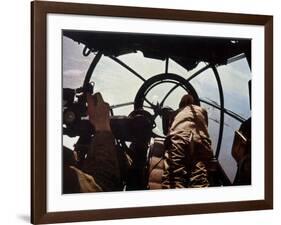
(100, 170)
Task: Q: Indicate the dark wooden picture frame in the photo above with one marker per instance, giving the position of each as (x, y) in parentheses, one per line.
(39, 12)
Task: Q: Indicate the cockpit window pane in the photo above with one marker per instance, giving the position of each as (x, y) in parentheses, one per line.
(144, 66)
(115, 82)
(206, 86)
(235, 77)
(177, 69)
(75, 64)
(225, 158)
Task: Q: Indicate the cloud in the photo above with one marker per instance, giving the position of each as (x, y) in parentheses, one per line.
(73, 73)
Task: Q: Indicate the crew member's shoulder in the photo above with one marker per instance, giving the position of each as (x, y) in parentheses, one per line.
(192, 109)
(199, 108)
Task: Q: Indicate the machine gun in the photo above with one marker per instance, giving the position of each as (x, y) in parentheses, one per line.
(136, 127)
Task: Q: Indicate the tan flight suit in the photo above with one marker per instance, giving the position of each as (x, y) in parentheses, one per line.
(188, 149)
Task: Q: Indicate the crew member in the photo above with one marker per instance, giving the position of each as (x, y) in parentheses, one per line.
(188, 147)
(100, 170)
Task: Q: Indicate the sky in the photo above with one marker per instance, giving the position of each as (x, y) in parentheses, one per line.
(118, 85)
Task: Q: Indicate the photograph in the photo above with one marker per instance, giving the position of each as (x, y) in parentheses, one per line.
(144, 112)
(147, 111)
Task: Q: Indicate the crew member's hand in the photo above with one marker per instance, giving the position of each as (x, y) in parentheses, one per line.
(98, 112)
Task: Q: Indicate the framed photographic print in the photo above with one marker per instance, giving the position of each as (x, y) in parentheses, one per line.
(143, 112)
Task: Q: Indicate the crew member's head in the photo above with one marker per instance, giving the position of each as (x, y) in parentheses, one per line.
(186, 100)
